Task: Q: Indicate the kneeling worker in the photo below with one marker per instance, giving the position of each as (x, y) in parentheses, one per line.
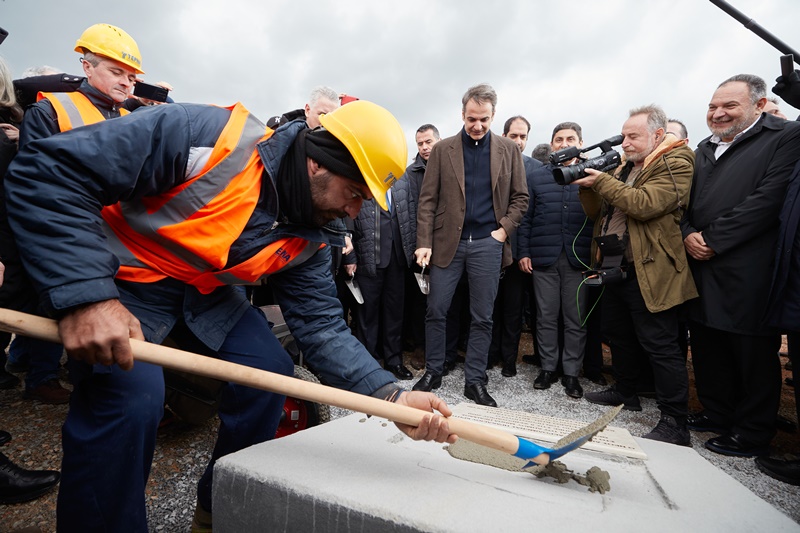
(137, 228)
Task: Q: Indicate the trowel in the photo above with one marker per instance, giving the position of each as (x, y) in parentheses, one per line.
(566, 444)
(47, 329)
(352, 284)
(423, 280)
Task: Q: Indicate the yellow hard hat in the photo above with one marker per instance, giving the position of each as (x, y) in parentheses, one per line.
(376, 141)
(111, 42)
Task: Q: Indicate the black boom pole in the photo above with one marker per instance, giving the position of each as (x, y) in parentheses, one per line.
(756, 28)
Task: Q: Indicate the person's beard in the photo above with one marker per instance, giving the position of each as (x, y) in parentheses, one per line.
(731, 128)
(638, 157)
(319, 189)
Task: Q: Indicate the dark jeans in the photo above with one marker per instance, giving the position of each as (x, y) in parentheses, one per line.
(636, 335)
(110, 432)
(481, 259)
(738, 380)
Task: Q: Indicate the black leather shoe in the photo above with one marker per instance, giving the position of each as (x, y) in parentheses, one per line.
(478, 394)
(784, 424)
(428, 382)
(448, 367)
(20, 485)
(786, 471)
(611, 396)
(544, 380)
(572, 387)
(736, 445)
(400, 371)
(532, 359)
(5, 436)
(509, 371)
(701, 422)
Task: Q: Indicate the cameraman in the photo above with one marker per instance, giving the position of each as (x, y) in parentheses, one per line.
(639, 208)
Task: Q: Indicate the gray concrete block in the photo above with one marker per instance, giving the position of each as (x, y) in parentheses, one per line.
(354, 476)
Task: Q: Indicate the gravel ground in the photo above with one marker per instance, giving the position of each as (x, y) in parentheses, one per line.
(183, 450)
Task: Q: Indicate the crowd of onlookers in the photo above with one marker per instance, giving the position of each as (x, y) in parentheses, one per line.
(664, 248)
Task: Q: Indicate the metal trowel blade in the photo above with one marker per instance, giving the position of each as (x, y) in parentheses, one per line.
(423, 280)
(352, 284)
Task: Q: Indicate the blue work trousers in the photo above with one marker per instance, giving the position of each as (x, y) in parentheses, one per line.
(110, 433)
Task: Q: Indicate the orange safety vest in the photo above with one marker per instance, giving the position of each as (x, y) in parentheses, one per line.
(74, 109)
(186, 233)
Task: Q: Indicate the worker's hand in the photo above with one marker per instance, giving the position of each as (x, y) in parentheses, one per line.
(351, 269)
(423, 256)
(100, 333)
(2, 273)
(526, 265)
(433, 426)
(697, 248)
(589, 179)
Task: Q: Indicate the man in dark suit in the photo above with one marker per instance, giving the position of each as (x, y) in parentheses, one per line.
(730, 233)
(473, 197)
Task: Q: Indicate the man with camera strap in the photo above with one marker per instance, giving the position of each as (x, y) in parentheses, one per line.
(640, 261)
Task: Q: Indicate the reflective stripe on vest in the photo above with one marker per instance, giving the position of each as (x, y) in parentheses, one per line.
(186, 233)
(74, 109)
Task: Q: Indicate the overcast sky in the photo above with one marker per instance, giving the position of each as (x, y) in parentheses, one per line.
(587, 61)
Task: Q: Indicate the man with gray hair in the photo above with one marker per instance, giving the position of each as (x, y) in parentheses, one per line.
(730, 233)
(473, 197)
(642, 264)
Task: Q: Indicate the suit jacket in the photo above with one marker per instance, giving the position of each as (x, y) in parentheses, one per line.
(442, 203)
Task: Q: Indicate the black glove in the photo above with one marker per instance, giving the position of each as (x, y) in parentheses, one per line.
(788, 88)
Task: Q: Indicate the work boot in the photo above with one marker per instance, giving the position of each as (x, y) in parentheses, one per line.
(201, 522)
(670, 431)
(418, 358)
(18, 485)
(612, 397)
(50, 392)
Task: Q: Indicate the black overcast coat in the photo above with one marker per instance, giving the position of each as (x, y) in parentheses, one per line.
(735, 202)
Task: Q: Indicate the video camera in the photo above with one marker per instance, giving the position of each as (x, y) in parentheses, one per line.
(608, 160)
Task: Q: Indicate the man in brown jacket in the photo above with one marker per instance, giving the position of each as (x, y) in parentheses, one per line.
(473, 197)
(639, 209)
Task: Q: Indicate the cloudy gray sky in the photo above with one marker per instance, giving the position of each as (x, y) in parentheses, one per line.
(587, 61)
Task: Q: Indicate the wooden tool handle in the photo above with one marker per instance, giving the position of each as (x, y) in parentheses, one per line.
(46, 329)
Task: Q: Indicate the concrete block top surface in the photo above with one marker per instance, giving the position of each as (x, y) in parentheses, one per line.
(363, 466)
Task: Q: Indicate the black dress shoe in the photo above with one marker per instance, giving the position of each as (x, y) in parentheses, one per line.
(509, 371)
(20, 485)
(572, 387)
(478, 394)
(784, 424)
(5, 436)
(786, 471)
(532, 359)
(400, 371)
(544, 380)
(736, 445)
(448, 367)
(428, 382)
(701, 422)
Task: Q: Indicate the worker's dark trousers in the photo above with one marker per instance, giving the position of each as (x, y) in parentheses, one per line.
(110, 432)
